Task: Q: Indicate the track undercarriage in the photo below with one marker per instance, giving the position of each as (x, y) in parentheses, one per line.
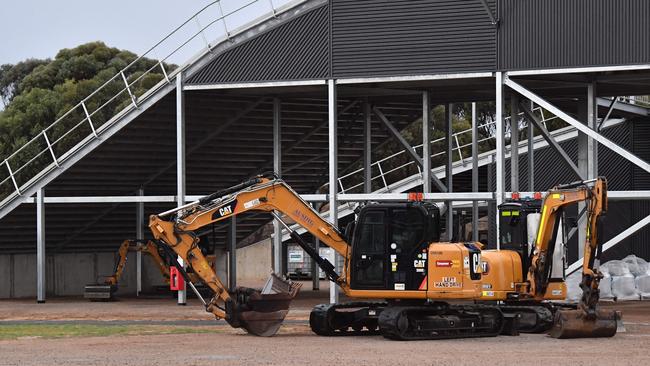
(432, 320)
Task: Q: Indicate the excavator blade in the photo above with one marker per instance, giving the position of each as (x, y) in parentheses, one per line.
(99, 292)
(576, 324)
(262, 312)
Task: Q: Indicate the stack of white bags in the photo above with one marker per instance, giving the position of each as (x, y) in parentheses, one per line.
(627, 279)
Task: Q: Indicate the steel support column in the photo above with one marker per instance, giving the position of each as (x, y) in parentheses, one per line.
(500, 161)
(449, 168)
(514, 143)
(277, 168)
(40, 246)
(587, 153)
(333, 172)
(232, 253)
(180, 160)
(426, 143)
(367, 148)
(139, 234)
(531, 155)
(474, 173)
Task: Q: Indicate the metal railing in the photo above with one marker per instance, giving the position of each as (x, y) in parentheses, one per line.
(385, 168)
(118, 95)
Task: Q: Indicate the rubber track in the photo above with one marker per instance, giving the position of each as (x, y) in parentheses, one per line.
(490, 322)
(325, 320)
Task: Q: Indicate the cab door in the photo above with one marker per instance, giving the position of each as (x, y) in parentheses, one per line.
(369, 258)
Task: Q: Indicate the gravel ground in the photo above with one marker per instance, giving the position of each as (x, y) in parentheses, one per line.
(295, 344)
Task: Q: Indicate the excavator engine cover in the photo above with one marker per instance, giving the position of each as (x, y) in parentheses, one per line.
(261, 313)
(577, 324)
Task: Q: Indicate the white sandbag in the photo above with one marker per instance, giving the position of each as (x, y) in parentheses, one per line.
(637, 266)
(616, 268)
(574, 292)
(643, 285)
(624, 288)
(605, 287)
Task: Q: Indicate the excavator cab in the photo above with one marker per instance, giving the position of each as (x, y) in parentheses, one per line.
(514, 219)
(389, 245)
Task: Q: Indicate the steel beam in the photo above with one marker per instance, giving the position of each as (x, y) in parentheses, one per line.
(180, 160)
(270, 84)
(411, 78)
(405, 145)
(551, 141)
(474, 173)
(277, 168)
(514, 143)
(139, 234)
(232, 253)
(367, 147)
(578, 70)
(426, 142)
(578, 125)
(500, 160)
(333, 171)
(40, 247)
(449, 166)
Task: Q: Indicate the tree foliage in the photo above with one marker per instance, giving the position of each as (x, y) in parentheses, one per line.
(35, 93)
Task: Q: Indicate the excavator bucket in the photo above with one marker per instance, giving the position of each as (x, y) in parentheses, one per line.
(261, 313)
(577, 324)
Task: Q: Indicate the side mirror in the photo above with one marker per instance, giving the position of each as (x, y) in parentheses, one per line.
(349, 230)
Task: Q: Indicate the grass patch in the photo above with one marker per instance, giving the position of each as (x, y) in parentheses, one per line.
(92, 330)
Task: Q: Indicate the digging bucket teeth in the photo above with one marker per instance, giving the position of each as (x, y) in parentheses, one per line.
(577, 324)
(261, 313)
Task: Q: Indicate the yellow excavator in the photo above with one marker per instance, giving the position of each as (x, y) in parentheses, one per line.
(105, 288)
(424, 288)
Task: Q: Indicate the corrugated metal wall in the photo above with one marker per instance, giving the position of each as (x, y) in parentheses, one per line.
(297, 49)
(410, 37)
(563, 33)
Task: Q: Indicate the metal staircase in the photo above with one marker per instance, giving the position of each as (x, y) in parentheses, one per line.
(91, 121)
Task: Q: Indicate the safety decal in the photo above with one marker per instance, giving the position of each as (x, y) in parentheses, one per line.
(447, 282)
(423, 284)
(556, 292)
(466, 262)
(394, 267)
(487, 286)
(251, 203)
(400, 287)
(488, 293)
(444, 263)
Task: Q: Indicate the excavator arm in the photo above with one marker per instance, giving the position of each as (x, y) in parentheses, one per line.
(587, 320)
(175, 229)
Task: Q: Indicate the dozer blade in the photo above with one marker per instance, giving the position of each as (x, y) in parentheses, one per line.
(261, 313)
(576, 324)
(98, 292)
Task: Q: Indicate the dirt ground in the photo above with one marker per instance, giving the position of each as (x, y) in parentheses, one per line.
(294, 345)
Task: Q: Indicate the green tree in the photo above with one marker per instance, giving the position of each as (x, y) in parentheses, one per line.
(35, 93)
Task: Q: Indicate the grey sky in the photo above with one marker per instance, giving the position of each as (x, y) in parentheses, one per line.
(39, 28)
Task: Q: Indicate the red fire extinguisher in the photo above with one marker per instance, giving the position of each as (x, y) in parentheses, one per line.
(176, 281)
